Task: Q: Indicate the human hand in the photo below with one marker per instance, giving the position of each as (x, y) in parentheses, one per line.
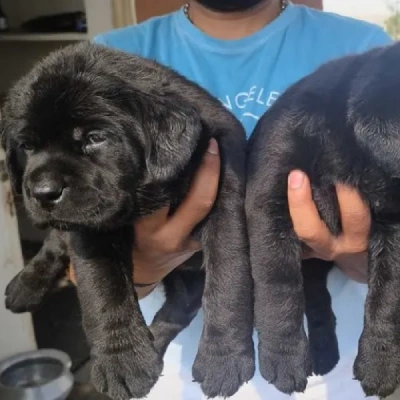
(162, 242)
(348, 250)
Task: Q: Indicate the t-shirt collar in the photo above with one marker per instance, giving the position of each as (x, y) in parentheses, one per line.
(186, 28)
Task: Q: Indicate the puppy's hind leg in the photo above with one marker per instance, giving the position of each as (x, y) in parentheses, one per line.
(184, 291)
(225, 359)
(284, 356)
(320, 317)
(29, 288)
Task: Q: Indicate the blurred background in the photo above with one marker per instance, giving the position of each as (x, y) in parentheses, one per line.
(26, 35)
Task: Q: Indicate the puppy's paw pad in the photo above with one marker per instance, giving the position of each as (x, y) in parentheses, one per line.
(127, 375)
(287, 372)
(324, 351)
(377, 368)
(223, 375)
(20, 298)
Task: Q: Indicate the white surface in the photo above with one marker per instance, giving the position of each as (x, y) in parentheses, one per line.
(16, 331)
(348, 303)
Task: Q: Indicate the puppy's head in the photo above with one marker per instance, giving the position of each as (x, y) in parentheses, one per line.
(92, 125)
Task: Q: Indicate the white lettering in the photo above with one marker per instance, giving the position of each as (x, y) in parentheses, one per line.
(244, 101)
(273, 96)
(250, 115)
(260, 94)
(251, 93)
(238, 97)
(228, 103)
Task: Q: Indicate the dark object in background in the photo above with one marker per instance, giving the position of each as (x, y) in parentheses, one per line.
(58, 325)
(3, 20)
(66, 22)
(339, 125)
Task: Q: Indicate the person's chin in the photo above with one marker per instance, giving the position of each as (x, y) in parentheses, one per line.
(230, 5)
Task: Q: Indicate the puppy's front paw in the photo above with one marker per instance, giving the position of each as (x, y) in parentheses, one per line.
(287, 369)
(128, 374)
(20, 295)
(377, 366)
(222, 369)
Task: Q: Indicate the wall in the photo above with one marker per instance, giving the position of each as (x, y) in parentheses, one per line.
(16, 331)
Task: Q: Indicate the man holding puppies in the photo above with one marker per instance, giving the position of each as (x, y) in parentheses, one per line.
(246, 52)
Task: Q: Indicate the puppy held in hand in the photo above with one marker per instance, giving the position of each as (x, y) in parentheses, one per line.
(108, 137)
(339, 125)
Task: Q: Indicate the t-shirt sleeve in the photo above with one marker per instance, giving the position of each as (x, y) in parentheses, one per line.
(100, 39)
(377, 37)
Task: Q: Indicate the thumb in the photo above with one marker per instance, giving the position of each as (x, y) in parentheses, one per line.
(305, 217)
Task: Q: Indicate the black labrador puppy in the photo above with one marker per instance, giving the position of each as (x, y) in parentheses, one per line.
(341, 124)
(109, 137)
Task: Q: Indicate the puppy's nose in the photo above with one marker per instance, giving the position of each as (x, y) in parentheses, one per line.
(49, 192)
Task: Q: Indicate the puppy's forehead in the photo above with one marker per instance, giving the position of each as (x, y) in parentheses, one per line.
(62, 102)
(59, 95)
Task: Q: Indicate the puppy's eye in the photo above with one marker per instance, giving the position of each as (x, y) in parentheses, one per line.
(26, 147)
(95, 139)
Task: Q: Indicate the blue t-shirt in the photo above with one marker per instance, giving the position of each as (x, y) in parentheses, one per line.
(248, 74)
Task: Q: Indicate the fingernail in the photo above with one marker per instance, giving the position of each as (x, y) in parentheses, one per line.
(213, 147)
(296, 179)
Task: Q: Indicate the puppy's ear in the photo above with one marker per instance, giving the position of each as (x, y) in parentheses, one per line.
(13, 167)
(173, 132)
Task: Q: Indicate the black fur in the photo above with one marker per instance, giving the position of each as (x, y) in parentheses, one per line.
(110, 137)
(339, 125)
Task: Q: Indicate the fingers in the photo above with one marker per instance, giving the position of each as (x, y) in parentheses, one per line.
(355, 219)
(305, 217)
(354, 214)
(71, 274)
(198, 202)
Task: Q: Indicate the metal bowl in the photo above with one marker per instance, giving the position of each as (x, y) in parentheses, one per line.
(36, 375)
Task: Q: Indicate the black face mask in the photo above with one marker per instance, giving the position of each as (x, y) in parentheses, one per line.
(229, 5)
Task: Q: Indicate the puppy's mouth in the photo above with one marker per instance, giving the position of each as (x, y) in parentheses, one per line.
(71, 214)
(57, 224)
